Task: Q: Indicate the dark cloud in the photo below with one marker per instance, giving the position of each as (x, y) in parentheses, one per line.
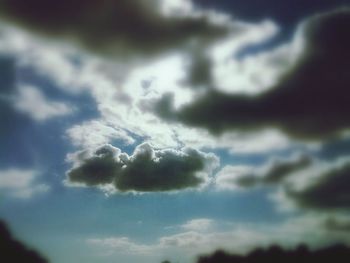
(109, 25)
(334, 224)
(14, 251)
(199, 69)
(146, 170)
(275, 254)
(149, 170)
(330, 191)
(100, 169)
(7, 73)
(310, 101)
(276, 172)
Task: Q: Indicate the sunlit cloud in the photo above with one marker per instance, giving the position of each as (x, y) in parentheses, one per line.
(146, 170)
(31, 101)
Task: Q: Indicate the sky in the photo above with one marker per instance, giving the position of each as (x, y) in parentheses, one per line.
(144, 131)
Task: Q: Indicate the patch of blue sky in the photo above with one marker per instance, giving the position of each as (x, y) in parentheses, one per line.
(286, 13)
(144, 217)
(128, 148)
(26, 143)
(267, 45)
(334, 149)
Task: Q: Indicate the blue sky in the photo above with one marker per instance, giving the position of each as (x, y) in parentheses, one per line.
(175, 130)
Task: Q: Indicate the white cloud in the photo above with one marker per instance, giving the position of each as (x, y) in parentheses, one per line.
(186, 245)
(254, 73)
(240, 143)
(202, 224)
(31, 101)
(21, 183)
(226, 178)
(120, 244)
(93, 133)
(176, 8)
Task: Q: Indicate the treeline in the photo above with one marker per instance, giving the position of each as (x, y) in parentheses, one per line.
(13, 251)
(276, 254)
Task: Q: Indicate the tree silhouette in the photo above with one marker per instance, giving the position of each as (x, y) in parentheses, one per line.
(275, 254)
(13, 251)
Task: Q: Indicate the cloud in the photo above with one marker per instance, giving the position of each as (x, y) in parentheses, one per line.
(123, 90)
(298, 182)
(253, 73)
(32, 102)
(201, 224)
(237, 237)
(331, 190)
(113, 26)
(15, 251)
(310, 101)
(280, 169)
(241, 237)
(97, 168)
(321, 186)
(121, 244)
(21, 183)
(338, 224)
(94, 133)
(274, 172)
(146, 170)
(283, 13)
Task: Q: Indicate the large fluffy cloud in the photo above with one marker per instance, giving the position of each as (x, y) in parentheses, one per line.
(116, 26)
(146, 170)
(312, 100)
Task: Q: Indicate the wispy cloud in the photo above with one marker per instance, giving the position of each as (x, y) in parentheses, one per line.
(32, 102)
(21, 183)
(235, 237)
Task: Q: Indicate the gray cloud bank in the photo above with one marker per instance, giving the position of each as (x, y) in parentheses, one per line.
(275, 173)
(146, 170)
(311, 101)
(118, 26)
(304, 181)
(329, 192)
